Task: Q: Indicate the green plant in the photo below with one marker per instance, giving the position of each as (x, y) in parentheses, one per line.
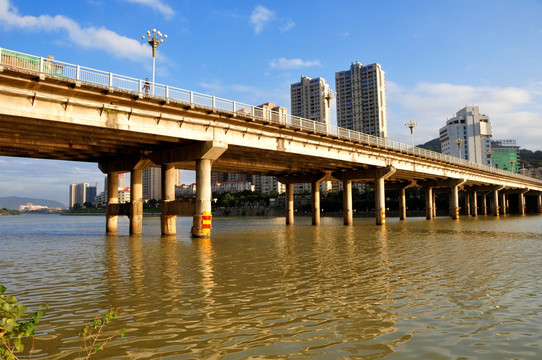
(92, 336)
(13, 327)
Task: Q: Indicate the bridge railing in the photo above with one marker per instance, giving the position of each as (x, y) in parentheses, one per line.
(91, 76)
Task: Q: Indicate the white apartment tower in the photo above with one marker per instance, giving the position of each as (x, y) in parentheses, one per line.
(308, 99)
(78, 194)
(152, 182)
(467, 136)
(361, 99)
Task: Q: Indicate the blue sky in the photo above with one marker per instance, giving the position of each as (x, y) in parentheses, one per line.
(438, 56)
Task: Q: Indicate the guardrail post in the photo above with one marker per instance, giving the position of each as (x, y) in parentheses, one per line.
(233, 102)
(42, 61)
(110, 80)
(213, 99)
(77, 72)
(191, 97)
(167, 92)
(140, 86)
(252, 110)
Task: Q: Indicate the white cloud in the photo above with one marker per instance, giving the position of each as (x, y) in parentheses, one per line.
(215, 86)
(89, 37)
(287, 25)
(286, 64)
(513, 112)
(156, 5)
(260, 17)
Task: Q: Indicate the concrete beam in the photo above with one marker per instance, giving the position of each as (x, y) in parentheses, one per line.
(305, 178)
(208, 150)
(442, 183)
(126, 164)
(364, 175)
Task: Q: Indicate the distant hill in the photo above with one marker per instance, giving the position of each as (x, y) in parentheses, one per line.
(433, 145)
(13, 202)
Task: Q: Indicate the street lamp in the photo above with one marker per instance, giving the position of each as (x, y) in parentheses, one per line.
(489, 155)
(328, 95)
(459, 141)
(154, 39)
(411, 125)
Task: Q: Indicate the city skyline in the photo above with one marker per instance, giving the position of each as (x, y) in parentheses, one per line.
(438, 58)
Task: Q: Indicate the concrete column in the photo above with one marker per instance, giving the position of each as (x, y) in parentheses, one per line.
(467, 202)
(168, 222)
(136, 201)
(380, 201)
(315, 200)
(429, 203)
(495, 202)
(484, 203)
(347, 202)
(434, 200)
(112, 198)
(502, 203)
(454, 202)
(402, 203)
(289, 204)
(521, 203)
(474, 204)
(201, 225)
(539, 203)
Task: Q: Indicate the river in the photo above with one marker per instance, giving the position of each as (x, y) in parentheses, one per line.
(257, 289)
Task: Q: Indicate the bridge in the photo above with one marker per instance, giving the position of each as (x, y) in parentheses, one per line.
(55, 110)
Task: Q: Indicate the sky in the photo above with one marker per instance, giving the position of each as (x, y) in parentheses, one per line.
(438, 57)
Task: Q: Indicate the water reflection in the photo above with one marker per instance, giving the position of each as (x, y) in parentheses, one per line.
(259, 289)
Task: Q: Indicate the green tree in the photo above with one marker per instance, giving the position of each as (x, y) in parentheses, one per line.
(13, 326)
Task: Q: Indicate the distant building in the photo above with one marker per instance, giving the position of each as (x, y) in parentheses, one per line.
(474, 133)
(269, 111)
(231, 186)
(308, 99)
(532, 172)
(265, 184)
(152, 182)
(505, 155)
(361, 99)
(90, 195)
(32, 207)
(78, 194)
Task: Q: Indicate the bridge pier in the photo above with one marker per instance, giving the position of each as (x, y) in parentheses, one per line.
(136, 201)
(315, 202)
(539, 203)
(429, 203)
(168, 224)
(467, 202)
(380, 193)
(289, 204)
(495, 202)
(347, 202)
(503, 204)
(454, 202)
(201, 225)
(474, 204)
(111, 217)
(521, 202)
(484, 203)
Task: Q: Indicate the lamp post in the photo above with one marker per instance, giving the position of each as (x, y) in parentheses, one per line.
(489, 155)
(459, 141)
(328, 95)
(411, 125)
(154, 39)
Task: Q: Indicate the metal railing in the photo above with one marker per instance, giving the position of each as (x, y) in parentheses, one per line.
(55, 68)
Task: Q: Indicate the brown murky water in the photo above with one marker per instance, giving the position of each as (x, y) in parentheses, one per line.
(257, 289)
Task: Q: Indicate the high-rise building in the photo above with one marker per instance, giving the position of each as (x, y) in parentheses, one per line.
(309, 99)
(505, 155)
(152, 182)
(78, 194)
(90, 194)
(361, 99)
(467, 136)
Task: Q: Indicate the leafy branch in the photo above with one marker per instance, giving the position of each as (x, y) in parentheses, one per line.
(93, 338)
(12, 327)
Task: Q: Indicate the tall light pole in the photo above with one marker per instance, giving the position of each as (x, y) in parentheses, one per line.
(154, 39)
(459, 141)
(489, 155)
(328, 95)
(411, 125)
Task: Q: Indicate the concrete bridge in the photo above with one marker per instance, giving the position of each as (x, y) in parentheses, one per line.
(55, 110)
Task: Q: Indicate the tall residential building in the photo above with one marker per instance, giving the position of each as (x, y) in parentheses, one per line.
(505, 155)
(152, 182)
(361, 99)
(308, 99)
(78, 194)
(467, 136)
